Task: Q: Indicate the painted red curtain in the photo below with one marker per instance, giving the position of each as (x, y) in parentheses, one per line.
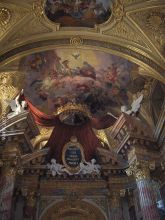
(50, 120)
(62, 133)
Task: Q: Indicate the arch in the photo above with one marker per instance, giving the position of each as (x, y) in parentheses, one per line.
(77, 209)
(155, 70)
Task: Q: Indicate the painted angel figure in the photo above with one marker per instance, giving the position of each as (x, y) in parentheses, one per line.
(135, 106)
(16, 106)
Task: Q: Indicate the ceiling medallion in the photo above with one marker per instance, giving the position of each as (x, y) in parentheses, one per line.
(5, 16)
(156, 20)
(76, 41)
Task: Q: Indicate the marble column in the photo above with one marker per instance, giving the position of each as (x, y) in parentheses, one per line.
(146, 194)
(115, 204)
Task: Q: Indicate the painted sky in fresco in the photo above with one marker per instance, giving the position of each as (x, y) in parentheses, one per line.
(78, 13)
(56, 77)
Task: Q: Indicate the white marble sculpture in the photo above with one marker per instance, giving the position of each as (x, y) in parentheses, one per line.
(16, 106)
(55, 168)
(135, 106)
(85, 168)
(89, 167)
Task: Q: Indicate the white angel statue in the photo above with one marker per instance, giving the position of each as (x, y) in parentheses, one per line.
(16, 106)
(89, 167)
(135, 106)
(55, 168)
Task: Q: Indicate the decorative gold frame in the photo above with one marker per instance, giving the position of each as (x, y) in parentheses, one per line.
(57, 26)
(77, 144)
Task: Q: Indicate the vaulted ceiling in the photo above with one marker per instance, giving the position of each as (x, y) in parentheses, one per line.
(135, 31)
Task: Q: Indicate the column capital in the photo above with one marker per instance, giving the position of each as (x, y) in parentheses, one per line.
(11, 166)
(140, 169)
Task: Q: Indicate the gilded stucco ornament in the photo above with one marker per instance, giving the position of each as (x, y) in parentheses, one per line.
(5, 16)
(140, 169)
(156, 22)
(10, 85)
(118, 10)
(102, 136)
(76, 41)
(152, 23)
(141, 174)
(38, 8)
(11, 166)
(11, 163)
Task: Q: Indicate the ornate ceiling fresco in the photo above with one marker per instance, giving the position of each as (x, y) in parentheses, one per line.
(56, 77)
(77, 13)
(131, 29)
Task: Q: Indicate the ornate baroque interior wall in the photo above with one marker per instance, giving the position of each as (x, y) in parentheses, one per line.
(133, 33)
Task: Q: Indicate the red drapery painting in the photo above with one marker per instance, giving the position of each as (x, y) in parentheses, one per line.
(62, 133)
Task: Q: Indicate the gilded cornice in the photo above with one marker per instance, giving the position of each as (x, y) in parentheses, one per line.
(121, 35)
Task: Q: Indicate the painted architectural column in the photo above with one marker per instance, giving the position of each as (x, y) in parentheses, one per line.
(146, 194)
(115, 204)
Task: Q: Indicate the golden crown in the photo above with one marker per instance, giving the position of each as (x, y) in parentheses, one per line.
(72, 108)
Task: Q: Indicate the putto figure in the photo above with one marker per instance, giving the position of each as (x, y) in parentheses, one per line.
(85, 168)
(55, 168)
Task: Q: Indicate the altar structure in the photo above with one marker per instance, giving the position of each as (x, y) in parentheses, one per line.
(82, 110)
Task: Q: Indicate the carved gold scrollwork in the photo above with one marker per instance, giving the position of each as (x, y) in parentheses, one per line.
(38, 8)
(5, 16)
(118, 10)
(156, 22)
(141, 174)
(76, 41)
(10, 85)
